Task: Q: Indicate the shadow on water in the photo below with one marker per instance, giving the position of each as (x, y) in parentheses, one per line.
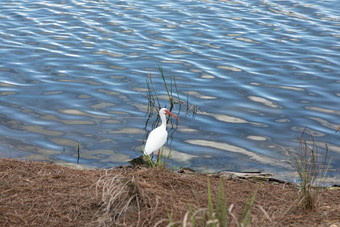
(171, 100)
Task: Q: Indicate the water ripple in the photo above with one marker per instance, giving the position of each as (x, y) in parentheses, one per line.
(258, 71)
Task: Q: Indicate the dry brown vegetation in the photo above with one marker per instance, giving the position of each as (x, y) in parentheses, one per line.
(46, 194)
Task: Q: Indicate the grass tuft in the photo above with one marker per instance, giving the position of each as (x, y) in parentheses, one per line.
(118, 193)
(161, 161)
(215, 215)
(245, 216)
(311, 171)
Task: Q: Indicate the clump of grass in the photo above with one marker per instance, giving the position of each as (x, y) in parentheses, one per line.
(311, 171)
(245, 217)
(161, 161)
(120, 195)
(118, 192)
(218, 213)
(215, 214)
(170, 86)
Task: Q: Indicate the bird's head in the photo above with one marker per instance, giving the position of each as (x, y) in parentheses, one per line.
(164, 111)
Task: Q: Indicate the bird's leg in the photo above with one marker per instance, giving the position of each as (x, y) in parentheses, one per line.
(158, 154)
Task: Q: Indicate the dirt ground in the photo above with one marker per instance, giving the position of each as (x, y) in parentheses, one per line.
(47, 194)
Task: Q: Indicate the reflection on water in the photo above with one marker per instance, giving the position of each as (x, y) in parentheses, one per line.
(231, 148)
(259, 72)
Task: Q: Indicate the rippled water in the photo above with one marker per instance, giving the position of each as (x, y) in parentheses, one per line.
(258, 71)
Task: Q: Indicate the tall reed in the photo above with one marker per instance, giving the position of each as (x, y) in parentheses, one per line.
(171, 91)
(168, 96)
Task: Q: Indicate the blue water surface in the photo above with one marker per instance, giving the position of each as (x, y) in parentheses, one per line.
(73, 72)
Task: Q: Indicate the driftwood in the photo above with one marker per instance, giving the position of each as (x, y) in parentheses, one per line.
(250, 175)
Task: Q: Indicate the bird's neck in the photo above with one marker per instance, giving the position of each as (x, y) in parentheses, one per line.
(163, 118)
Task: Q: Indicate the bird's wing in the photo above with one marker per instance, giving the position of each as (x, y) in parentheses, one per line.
(156, 140)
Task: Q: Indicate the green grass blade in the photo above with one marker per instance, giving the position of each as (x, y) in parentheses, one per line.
(170, 219)
(245, 217)
(210, 203)
(221, 205)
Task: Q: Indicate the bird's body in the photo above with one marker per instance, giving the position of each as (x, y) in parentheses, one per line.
(159, 135)
(156, 140)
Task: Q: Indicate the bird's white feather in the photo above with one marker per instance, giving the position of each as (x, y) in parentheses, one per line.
(156, 140)
(159, 135)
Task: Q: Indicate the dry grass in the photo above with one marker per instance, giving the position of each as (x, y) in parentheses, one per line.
(45, 194)
(123, 196)
(311, 171)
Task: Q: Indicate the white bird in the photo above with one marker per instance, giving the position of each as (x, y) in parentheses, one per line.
(159, 135)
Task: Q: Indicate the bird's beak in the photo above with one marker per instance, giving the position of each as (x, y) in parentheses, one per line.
(168, 112)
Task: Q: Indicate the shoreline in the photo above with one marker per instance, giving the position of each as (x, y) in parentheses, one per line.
(48, 194)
